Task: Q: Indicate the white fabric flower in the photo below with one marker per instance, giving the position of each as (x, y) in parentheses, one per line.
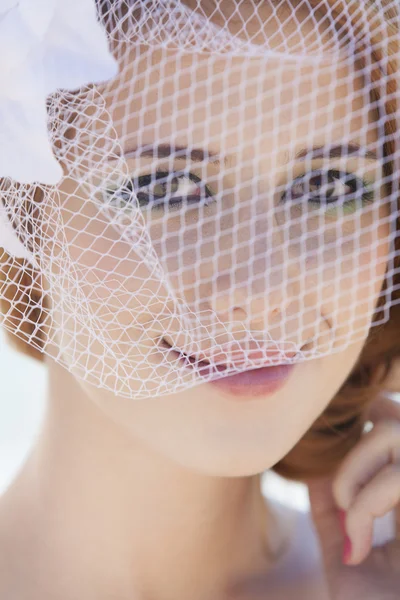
(45, 45)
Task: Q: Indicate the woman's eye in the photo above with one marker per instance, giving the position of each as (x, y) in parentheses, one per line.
(331, 190)
(163, 191)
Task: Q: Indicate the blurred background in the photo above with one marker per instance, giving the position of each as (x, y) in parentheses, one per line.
(23, 390)
(22, 403)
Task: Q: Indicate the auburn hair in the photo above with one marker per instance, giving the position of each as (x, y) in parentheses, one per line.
(339, 427)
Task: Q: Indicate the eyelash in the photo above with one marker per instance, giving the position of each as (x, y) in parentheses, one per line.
(358, 186)
(360, 193)
(164, 178)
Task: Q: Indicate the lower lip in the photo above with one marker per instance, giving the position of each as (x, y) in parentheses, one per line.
(253, 383)
(257, 382)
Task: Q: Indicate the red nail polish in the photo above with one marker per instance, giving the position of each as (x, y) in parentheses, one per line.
(347, 550)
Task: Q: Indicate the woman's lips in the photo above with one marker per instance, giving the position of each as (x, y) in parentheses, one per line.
(234, 355)
(253, 382)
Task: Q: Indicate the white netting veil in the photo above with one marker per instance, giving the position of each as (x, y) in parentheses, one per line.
(228, 199)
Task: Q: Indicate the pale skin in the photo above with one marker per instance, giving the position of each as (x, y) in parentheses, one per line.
(160, 499)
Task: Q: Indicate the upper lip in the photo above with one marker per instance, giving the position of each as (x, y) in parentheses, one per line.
(235, 354)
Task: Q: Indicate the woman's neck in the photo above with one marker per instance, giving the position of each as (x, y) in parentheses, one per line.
(104, 513)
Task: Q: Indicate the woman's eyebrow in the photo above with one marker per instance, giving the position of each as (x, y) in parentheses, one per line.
(179, 152)
(201, 155)
(337, 151)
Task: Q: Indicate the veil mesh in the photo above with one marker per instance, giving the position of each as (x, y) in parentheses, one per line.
(229, 200)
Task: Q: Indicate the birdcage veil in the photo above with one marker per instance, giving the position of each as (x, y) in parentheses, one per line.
(199, 188)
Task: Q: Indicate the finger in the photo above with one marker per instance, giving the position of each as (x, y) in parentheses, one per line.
(377, 448)
(385, 407)
(378, 498)
(325, 517)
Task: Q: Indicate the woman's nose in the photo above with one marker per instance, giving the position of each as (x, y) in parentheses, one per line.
(235, 300)
(257, 291)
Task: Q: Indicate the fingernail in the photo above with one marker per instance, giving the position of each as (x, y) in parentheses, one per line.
(347, 550)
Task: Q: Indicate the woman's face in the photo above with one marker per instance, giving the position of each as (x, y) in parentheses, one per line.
(253, 253)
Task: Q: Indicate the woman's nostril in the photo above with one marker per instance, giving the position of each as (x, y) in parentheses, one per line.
(191, 358)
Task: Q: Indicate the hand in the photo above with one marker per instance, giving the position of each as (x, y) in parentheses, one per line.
(366, 486)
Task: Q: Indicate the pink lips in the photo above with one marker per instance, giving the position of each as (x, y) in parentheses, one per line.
(255, 382)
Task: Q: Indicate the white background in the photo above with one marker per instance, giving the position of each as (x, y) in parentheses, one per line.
(22, 396)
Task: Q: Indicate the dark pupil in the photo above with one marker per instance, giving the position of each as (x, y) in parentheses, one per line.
(154, 187)
(318, 181)
(312, 186)
(162, 188)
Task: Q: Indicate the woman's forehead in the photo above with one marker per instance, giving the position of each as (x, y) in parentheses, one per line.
(166, 92)
(278, 24)
(256, 105)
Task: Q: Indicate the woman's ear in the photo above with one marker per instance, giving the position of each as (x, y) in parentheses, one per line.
(23, 305)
